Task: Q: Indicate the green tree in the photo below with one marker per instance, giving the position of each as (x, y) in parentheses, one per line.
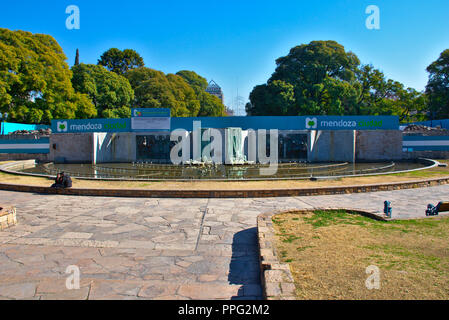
(210, 105)
(381, 96)
(197, 82)
(35, 84)
(276, 98)
(154, 89)
(321, 75)
(119, 61)
(110, 93)
(321, 78)
(77, 57)
(438, 86)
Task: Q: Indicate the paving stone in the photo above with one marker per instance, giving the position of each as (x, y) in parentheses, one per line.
(158, 289)
(18, 290)
(76, 294)
(126, 240)
(77, 235)
(208, 291)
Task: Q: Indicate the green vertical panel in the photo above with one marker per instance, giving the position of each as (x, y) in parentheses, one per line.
(234, 142)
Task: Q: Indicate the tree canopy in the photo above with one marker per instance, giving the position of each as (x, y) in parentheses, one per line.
(319, 78)
(210, 105)
(154, 89)
(322, 78)
(110, 93)
(119, 61)
(438, 86)
(35, 80)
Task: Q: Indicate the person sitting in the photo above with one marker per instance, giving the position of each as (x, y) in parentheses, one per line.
(66, 181)
(58, 182)
(62, 181)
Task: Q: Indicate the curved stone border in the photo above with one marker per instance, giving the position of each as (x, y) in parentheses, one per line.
(201, 194)
(7, 217)
(12, 168)
(205, 194)
(276, 277)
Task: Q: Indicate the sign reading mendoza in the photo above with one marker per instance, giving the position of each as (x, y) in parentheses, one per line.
(91, 125)
(351, 123)
(150, 119)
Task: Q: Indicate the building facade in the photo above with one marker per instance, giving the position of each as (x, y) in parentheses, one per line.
(214, 89)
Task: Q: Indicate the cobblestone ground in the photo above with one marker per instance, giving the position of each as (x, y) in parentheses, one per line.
(155, 248)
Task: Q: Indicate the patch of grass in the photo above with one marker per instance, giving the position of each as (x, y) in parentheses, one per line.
(290, 238)
(329, 251)
(324, 218)
(404, 255)
(303, 248)
(284, 253)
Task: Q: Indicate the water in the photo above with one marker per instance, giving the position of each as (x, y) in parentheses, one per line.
(147, 171)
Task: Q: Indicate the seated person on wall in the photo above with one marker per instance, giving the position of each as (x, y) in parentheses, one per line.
(62, 181)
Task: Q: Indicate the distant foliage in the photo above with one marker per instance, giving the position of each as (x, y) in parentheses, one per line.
(210, 105)
(35, 80)
(438, 87)
(110, 93)
(154, 89)
(119, 61)
(37, 85)
(321, 78)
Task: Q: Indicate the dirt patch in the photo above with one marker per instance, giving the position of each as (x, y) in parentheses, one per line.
(329, 253)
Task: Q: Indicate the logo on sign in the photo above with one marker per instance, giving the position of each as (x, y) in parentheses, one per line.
(137, 113)
(311, 123)
(62, 126)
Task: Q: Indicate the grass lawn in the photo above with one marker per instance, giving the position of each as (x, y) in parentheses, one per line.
(329, 251)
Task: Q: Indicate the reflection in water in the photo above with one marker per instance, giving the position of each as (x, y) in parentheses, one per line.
(148, 171)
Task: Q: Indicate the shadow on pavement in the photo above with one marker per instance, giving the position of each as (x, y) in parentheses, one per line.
(244, 267)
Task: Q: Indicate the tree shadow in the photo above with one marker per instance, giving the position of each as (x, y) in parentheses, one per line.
(244, 268)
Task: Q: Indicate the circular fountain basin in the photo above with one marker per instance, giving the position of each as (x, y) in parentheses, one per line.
(284, 171)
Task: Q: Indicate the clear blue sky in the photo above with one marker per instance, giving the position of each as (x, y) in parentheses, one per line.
(236, 42)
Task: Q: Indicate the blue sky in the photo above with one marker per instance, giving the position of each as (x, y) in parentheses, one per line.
(236, 42)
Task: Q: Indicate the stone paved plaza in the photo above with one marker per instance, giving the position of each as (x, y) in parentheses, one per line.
(130, 248)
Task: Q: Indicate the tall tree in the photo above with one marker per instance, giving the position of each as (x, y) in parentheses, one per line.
(322, 78)
(121, 62)
(77, 57)
(110, 93)
(320, 74)
(210, 105)
(35, 84)
(154, 89)
(197, 82)
(438, 86)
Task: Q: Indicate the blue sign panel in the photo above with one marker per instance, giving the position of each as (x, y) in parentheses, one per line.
(293, 123)
(158, 122)
(91, 125)
(151, 113)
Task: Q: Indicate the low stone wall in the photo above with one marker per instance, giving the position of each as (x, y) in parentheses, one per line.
(207, 194)
(276, 278)
(7, 217)
(41, 157)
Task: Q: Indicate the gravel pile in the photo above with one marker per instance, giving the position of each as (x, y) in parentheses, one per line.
(40, 132)
(424, 130)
